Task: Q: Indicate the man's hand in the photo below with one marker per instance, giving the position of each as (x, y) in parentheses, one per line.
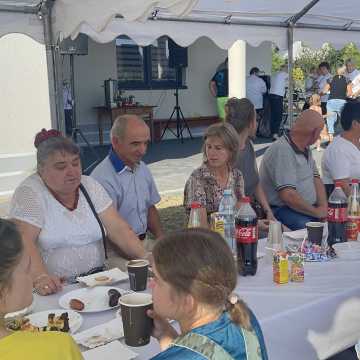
(321, 212)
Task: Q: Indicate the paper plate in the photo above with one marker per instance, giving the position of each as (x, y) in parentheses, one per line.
(95, 299)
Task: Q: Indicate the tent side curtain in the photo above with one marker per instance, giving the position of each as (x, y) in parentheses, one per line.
(28, 24)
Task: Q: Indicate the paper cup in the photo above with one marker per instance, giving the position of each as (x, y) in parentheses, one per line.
(137, 325)
(315, 232)
(138, 274)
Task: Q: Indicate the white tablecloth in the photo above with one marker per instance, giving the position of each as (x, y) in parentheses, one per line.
(304, 321)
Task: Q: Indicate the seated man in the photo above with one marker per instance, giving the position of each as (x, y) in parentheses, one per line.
(289, 175)
(127, 179)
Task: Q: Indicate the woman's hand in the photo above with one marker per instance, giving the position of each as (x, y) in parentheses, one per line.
(46, 284)
(162, 331)
(263, 225)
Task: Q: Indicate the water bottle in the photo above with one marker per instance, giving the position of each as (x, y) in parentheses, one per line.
(353, 212)
(337, 215)
(246, 230)
(226, 210)
(194, 218)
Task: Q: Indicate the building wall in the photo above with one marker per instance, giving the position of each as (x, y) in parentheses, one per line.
(196, 100)
(24, 106)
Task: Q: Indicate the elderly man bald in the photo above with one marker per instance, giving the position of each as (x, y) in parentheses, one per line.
(289, 175)
(127, 179)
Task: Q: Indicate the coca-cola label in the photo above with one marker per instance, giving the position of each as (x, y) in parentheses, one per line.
(246, 235)
(338, 215)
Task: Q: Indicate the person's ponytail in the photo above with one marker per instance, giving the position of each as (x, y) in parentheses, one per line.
(238, 312)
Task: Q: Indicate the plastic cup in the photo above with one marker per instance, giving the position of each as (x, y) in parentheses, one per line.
(138, 274)
(137, 325)
(315, 232)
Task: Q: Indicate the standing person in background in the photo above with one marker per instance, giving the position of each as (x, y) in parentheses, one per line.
(311, 85)
(219, 87)
(277, 91)
(338, 90)
(255, 89)
(324, 79)
(352, 74)
(68, 107)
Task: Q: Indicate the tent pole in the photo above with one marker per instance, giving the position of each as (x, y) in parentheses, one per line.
(45, 13)
(290, 42)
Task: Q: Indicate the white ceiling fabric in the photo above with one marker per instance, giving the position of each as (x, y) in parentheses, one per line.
(207, 18)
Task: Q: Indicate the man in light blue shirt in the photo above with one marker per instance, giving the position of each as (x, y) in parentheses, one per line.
(127, 179)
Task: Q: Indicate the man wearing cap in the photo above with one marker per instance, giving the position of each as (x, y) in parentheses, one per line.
(289, 176)
(255, 89)
(127, 179)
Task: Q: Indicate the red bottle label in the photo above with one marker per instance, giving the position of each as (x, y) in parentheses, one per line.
(351, 229)
(338, 215)
(246, 235)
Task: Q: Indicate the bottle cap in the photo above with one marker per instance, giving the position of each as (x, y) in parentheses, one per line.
(245, 199)
(227, 192)
(338, 183)
(354, 181)
(195, 205)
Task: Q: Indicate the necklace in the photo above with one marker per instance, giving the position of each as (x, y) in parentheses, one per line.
(76, 200)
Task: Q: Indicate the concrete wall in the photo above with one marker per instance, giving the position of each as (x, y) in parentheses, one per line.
(204, 57)
(24, 106)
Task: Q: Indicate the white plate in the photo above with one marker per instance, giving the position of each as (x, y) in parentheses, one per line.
(95, 299)
(21, 312)
(101, 334)
(112, 351)
(114, 275)
(348, 250)
(40, 319)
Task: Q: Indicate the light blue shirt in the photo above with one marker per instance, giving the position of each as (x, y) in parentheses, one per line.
(133, 191)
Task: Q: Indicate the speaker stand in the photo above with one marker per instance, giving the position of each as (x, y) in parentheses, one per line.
(75, 131)
(181, 122)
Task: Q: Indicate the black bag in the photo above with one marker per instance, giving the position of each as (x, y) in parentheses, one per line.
(264, 119)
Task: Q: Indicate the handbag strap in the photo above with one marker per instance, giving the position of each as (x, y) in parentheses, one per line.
(92, 207)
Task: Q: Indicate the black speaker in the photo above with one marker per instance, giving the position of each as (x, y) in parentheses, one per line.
(178, 56)
(79, 46)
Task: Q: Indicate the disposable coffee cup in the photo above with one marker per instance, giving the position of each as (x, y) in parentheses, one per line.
(315, 232)
(138, 274)
(137, 325)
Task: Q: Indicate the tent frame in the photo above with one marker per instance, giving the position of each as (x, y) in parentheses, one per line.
(44, 7)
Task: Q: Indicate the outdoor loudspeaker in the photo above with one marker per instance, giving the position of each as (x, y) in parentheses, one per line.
(79, 46)
(178, 56)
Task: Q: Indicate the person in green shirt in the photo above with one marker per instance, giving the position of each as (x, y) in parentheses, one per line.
(16, 294)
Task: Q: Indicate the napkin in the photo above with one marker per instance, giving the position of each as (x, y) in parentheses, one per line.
(112, 351)
(113, 275)
(101, 334)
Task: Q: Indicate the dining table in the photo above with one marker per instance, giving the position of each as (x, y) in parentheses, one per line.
(309, 320)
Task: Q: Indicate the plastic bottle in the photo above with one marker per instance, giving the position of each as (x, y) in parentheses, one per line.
(194, 218)
(246, 230)
(227, 209)
(337, 215)
(353, 213)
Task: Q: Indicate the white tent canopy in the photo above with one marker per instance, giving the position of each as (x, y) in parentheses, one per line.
(223, 21)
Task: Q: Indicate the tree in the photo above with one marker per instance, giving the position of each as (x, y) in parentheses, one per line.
(277, 60)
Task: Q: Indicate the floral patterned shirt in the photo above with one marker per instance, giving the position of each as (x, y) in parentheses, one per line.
(203, 188)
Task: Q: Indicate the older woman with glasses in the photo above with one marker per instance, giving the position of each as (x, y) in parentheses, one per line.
(63, 217)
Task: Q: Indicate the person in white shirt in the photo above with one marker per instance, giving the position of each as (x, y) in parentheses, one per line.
(353, 76)
(323, 80)
(277, 91)
(341, 160)
(255, 89)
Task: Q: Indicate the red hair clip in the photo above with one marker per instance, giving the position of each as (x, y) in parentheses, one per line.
(44, 135)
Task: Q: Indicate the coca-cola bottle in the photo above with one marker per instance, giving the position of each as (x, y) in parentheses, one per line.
(246, 233)
(337, 215)
(353, 212)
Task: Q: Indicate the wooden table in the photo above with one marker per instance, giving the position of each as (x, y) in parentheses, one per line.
(144, 111)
